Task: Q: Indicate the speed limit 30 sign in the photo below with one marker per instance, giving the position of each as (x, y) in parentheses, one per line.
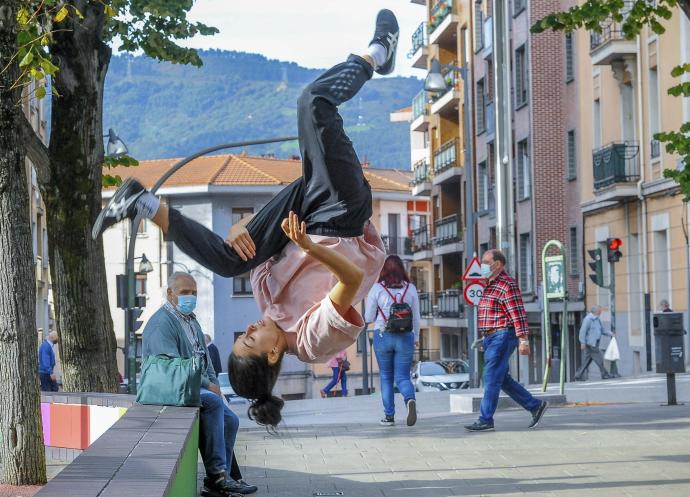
(473, 292)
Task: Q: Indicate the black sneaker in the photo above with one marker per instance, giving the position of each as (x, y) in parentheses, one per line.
(386, 34)
(480, 426)
(217, 486)
(538, 413)
(387, 421)
(411, 412)
(242, 487)
(122, 205)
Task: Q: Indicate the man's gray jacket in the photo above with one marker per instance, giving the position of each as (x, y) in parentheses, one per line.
(591, 330)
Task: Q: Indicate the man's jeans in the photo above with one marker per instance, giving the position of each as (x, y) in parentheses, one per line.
(498, 347)
(394, 353)
(218, 430)
(338, 376)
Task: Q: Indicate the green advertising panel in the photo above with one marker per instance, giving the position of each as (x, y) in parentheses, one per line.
(555, 277)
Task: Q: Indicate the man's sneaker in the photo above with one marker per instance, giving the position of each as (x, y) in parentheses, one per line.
(411, 412)
(242, 487)
(387, 421)
(217, 486)
(121, 206)
(538, 413)
(480, 426)
(386, 34)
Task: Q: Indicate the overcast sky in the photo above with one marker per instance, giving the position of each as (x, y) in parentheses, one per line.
(313, 33)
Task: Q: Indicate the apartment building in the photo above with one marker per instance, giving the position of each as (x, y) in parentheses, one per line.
(218, 191)
(623, 102)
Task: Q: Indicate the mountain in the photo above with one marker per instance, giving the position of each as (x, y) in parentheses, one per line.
(164, 110)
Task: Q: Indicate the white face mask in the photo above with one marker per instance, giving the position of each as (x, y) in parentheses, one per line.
(486, 271)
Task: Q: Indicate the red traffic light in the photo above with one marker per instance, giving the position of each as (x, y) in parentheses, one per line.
(615, 243)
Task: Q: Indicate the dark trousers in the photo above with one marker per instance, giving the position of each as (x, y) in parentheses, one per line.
(47, 385)
(591, 354)
(338, 376)
(332, 196)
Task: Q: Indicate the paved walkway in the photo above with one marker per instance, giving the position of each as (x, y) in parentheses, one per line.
(634, 447)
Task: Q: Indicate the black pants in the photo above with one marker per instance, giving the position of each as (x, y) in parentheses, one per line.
(47, 384)
(332, 196)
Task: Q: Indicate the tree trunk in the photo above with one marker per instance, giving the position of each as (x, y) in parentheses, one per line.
(73, 200)
(22, 457)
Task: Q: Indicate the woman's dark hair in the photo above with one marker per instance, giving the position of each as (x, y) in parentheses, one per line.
(253, 378)
(393, 273)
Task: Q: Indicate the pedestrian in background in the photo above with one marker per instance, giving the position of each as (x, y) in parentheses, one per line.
(591, 332)
(215, 355)
(665, 306)
(393, 306)
(337, 364)
(503, 323)
(46, 363)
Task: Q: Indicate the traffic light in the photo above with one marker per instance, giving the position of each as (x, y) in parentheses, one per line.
(597, 266)
(133, 319)
(613, 253)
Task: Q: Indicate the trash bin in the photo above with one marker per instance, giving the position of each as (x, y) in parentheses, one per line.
(669, 342)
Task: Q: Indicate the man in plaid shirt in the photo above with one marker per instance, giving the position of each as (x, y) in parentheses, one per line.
(503, 323)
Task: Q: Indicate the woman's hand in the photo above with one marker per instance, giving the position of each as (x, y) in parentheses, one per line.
(297, 232)
(241, 242)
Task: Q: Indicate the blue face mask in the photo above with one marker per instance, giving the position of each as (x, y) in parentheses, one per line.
(186, 304)
(486, 271)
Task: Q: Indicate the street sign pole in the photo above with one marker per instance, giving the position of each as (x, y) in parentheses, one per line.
(555, 285)
(474, 284)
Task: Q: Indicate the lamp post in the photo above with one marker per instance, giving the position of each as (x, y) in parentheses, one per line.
(132, 312)
(435, 82)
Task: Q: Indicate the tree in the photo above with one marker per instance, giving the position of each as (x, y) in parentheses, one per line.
(68, 40)
(593, 14)
(22, 456)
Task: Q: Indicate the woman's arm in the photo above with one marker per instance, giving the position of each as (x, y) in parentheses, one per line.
(414, 304)
(371, 308)
(349, 275)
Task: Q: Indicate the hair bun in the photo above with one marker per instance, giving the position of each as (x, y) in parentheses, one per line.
(266, 410)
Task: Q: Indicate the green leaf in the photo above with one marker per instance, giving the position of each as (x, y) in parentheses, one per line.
(40, 92)
(45, 40)
(680, 70)
(28, 58)
(109, 11)
(48, 66)
(23, 17)
(78, 12)
(61, 15)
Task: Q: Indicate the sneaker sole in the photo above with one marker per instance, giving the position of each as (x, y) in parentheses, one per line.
(411, 412)
(480, 431)
(386, 424)
(98, 225)
(540, 416)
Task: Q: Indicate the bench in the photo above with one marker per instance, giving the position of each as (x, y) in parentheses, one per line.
(468, 403)
(150, 450)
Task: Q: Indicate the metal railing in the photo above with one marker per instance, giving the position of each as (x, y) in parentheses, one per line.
(616, 162)
(655, 148)
(452, 78)
(425, 354)
(449, 304)
(420, 105)
(421, 239)
(426, 305)
(397, 245)
(446, 156)
(440, 10)
(421, 172)
(419, 39)
(610, 30)
(447, 230)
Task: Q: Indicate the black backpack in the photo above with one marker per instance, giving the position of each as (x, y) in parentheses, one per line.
(399, 319)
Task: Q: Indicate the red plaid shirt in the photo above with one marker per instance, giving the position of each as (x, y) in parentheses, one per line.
(501, 306)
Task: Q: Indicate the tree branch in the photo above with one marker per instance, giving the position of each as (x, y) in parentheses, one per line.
(36, 151)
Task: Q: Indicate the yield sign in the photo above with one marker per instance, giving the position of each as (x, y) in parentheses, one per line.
(473, 271)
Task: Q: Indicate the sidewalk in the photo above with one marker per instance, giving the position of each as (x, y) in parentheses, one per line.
(637, 448)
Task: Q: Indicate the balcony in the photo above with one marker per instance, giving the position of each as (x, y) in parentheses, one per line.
(449, 304)
(421, 244)
(421, 181)
(398, 245)
(443, 23)
(448, 103)
(610, 45)
(419, 52)
(447, 236)
(426, 305)
(420, 112)
(616, 170)
(444, 308)
(447, 162)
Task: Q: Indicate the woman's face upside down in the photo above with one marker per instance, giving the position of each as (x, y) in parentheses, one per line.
(262, 337)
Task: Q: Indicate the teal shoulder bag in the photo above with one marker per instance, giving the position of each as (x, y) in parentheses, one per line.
(170, 381)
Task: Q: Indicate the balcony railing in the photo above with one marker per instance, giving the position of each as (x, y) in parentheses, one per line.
(452, 78)
(446, 156)
(419, 39)
(425, 354)
(420, 105)
(615, 163)
(447, 230)
(397, 245)
(449, 304)
(655, 148)
(426, 305)
(440, 10)
(421, 172)
(610, 30)
(421, 239)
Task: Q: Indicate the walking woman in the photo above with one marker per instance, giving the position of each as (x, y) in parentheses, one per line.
(338, 365)
(393, 307)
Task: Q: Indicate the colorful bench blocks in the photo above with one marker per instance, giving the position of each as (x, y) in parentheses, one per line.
(75, 426)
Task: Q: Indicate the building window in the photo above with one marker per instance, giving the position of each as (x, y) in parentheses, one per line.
(241, 285)
(596, 129)
(524, 171)
(520, 77)
(483, 188)
(489, 80)
(569, 58)
(662, 267)
(572, 155)
(450, 346)
(478, 27)
(141, 230)
(483, 247)
(481, 107)
(525, 262)
(239, 213)
(574, 251)
(654, 118)
(518, 6)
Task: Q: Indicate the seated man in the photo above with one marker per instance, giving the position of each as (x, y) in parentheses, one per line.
(174, 331)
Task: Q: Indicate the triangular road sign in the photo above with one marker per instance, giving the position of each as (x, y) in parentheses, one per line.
(473, 271)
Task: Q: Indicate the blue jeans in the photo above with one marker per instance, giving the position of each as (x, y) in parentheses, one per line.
(334, 381)
(217, 433)
(394, 353)
(498, 347)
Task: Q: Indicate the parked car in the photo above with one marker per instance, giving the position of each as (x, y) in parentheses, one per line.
(437, 376)
(226, 389)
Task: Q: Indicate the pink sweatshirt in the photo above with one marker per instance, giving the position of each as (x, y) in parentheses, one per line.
(333, 363)
(292, 289)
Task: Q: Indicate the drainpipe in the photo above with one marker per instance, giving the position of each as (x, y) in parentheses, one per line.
(643, 205)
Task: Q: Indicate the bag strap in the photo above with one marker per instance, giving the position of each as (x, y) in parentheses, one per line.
(389, 293)
(404, 293)
(382, 314)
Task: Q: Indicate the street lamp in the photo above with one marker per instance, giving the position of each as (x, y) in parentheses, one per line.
(145, 265)
(436, 82)
(116, 147)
